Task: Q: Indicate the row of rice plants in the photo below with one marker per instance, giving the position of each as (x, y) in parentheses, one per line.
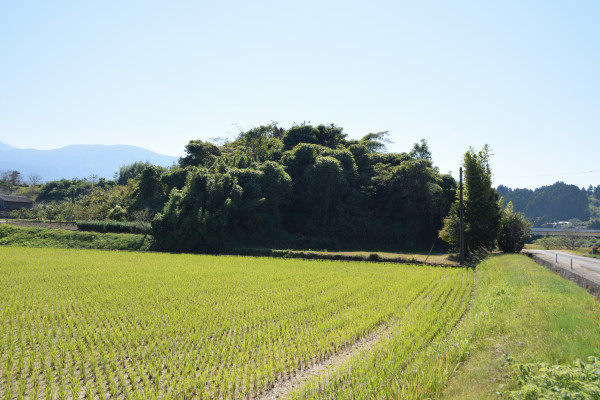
(94, 324)
(395, 367)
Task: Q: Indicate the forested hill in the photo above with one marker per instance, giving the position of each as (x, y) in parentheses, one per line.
(307, 185)
(557, 202)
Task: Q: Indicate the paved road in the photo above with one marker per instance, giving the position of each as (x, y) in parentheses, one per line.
(587, 264)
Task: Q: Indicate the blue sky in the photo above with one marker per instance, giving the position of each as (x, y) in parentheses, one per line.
(522, 76)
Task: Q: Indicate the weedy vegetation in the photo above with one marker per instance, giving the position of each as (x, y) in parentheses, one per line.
(581, 380)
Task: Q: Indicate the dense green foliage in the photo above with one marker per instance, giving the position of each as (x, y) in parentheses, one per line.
(113, 226)
(514, 229)
(557, 202)
(277, 187)
(199, 153)
(91, 324)
(481, 209)
(61, 238)
(68, 189)
(304, 187)
(130, 171)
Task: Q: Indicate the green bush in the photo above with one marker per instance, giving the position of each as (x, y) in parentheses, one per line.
(513, 230)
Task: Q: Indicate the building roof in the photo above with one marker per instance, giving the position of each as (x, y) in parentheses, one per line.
(15, 199)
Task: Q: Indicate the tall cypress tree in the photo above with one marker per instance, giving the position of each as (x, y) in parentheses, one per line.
(482, 212)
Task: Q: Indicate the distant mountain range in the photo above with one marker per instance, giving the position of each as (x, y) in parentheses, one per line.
(77, 161)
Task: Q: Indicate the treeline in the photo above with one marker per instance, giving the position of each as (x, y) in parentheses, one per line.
(306, 187)
(557, 202)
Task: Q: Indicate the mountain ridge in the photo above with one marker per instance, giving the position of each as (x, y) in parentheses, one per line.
(77, 160)
(4, 146)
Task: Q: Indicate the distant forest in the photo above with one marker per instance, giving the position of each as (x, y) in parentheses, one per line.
(557, 202)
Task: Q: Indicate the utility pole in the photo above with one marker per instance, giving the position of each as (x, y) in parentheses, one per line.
(462, 223)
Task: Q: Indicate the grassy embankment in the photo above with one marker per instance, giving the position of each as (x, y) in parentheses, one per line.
(55, 235)
(523, 312)
(62, 238)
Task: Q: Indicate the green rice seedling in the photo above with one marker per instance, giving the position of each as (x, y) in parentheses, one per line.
(135, 325)
(62, 388)
(75, 388)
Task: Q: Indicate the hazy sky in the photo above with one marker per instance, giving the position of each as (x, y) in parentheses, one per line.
(522, 76)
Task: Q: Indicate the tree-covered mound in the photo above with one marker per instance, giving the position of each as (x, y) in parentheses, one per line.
(305, 186)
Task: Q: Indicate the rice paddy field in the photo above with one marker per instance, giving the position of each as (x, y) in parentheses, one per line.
(89, 324)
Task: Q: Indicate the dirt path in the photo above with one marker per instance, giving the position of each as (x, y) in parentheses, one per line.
(283, 388)
(35, 224)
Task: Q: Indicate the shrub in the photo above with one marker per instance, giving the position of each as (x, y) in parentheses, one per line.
(118, 213)
(547, 242)
(113, 226)
(373, 257)
(513, 231)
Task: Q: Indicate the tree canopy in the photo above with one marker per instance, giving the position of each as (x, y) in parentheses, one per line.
(306, 186)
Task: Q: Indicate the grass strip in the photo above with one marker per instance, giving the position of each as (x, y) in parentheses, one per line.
(66, 239)
(523, 313)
